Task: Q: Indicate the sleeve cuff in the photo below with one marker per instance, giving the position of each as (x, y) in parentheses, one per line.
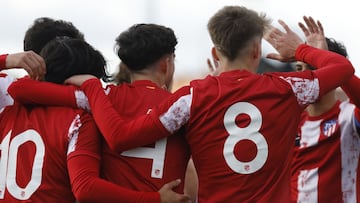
(3, 61)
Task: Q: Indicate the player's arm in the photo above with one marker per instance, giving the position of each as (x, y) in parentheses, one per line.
(329, 64)
(31, 62)
(28, 91)
(352, 90)
(122, 134)
(84, 170)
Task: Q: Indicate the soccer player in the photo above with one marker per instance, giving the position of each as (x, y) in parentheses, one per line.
(326, 158)
(240, 125)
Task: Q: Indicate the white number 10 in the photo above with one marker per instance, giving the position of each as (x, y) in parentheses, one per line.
(250, 132)
(8, 164)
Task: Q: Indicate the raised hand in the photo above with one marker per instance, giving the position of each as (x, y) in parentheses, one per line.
(31, 62)
(314, 33)
(285, 43)
(167, 195)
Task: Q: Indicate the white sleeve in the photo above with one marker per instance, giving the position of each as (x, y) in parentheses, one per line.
(82, 100)
(306, 90)
(5, 98)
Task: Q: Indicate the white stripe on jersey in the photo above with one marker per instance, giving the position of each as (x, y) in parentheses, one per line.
(307, 186)
(305, 90)
(73, 133)
(5, 98)
(82, 100)
(178, 114)
(310, 133)
(350, 150)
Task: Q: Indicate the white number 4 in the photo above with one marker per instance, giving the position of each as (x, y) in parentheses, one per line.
(157, 154)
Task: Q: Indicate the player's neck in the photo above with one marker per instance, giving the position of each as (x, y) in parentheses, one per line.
(147, 75)
(322, 106)
(238, 64)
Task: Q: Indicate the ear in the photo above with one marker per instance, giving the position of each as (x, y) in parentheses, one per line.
(164, 63)
(256, 50)
(214, 53)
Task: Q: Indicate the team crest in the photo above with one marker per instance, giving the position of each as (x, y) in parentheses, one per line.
(329, 127)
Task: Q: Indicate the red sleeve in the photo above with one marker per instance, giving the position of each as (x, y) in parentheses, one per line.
(88, 187)
(119, 133)
(3, 61)
(352, 89)
(28, 91)
(333, 69)
(84, 170)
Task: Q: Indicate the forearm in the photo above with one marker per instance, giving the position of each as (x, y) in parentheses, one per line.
(352, 89)
(88, 187)
(328, 64)
(29, 91)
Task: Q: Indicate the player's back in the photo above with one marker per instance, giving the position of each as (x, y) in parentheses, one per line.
(34, 143)
(149, 167)
(241, 131)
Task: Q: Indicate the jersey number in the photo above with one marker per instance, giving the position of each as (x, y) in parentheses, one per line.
(8, 164)
(250, 132)
(157, 154)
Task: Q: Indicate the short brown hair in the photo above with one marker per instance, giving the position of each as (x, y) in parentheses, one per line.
(233, 26)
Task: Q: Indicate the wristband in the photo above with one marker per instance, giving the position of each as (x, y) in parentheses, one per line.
(3, 61)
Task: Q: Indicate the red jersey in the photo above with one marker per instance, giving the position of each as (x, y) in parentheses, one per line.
(240, 126)
(149, 167)
(34, 152)
(327, 157)
(47, 153)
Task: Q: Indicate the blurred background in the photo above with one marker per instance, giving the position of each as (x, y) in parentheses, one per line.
(102, 21)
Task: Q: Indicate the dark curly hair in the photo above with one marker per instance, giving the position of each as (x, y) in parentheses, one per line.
(144, 44)
(45, 29)
(65, 57)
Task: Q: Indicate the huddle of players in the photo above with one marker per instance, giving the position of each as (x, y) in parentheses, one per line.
(236, 145)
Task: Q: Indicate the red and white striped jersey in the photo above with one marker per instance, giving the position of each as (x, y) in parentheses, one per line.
(326, 160)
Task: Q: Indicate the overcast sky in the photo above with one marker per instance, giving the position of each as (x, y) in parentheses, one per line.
(102, 21)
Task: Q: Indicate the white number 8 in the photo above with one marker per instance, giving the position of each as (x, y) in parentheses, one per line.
(250, 132)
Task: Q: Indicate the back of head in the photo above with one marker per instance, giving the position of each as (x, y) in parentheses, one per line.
(143, 44)
(46, 29)
(232, 27)
(336, 47)
(65, 57)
